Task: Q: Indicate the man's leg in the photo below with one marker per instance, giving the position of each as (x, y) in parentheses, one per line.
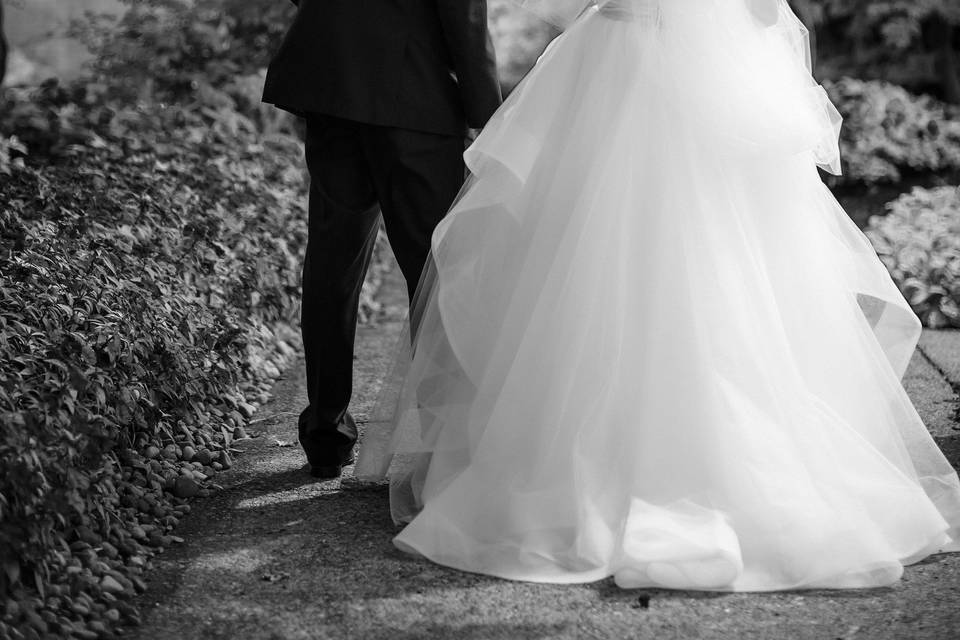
(343, 223)
(416, 175)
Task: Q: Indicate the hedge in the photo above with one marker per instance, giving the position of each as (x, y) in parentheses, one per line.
(149, 295)
(889, 132)
(919, 241)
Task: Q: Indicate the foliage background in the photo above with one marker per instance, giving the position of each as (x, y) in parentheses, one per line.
(152, 219)
(913, 43)
(151, 223)
(919, 241)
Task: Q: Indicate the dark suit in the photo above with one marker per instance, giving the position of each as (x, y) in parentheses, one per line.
(388, 88)
(389, 62)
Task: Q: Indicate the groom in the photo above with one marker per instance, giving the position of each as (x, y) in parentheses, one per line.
(388, 89)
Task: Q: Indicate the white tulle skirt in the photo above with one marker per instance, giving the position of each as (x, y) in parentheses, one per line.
(650, 344)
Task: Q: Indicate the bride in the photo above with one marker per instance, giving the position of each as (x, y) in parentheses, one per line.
(649, 343)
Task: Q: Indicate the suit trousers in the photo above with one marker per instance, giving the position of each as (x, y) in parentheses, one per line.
(358, 171)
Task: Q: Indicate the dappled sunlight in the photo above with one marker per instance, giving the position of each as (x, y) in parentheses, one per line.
(286, 496)
(273, 487)
(291, 450)
(666, 349)
(233, 560)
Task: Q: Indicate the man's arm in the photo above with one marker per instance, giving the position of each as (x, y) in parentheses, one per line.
(464, 25)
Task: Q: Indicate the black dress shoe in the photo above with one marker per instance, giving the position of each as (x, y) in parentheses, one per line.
(330, 448)
(325, 473)
(330, 472)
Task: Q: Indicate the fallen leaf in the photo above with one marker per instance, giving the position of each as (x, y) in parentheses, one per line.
(275, 577)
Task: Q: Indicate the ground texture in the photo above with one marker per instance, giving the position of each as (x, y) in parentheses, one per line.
(277, 555)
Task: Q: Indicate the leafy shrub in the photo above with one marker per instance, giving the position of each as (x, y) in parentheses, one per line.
(919, 241)
(208, 57)
(519, 38)
(189, 41)
(11, 154)
(888, 131)
(149, 290)
(908, 42)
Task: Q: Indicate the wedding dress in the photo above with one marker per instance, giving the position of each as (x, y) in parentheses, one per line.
(650, 344)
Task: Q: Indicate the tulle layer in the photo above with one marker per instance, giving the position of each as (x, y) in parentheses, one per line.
(746, 87)
(650, 345)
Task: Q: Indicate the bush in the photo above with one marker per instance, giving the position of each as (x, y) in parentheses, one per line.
(888, 132)
(211, 41)
(519, 38)
(149, 291)
(919, 241)
(206, 56)
(11, 154)
(909, 42)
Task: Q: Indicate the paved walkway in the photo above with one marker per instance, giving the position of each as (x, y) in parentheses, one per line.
(277, 555)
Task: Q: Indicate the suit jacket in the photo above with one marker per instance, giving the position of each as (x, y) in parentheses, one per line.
(426, 65)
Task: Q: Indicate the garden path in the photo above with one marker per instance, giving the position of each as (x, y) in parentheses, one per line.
(277, 555)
